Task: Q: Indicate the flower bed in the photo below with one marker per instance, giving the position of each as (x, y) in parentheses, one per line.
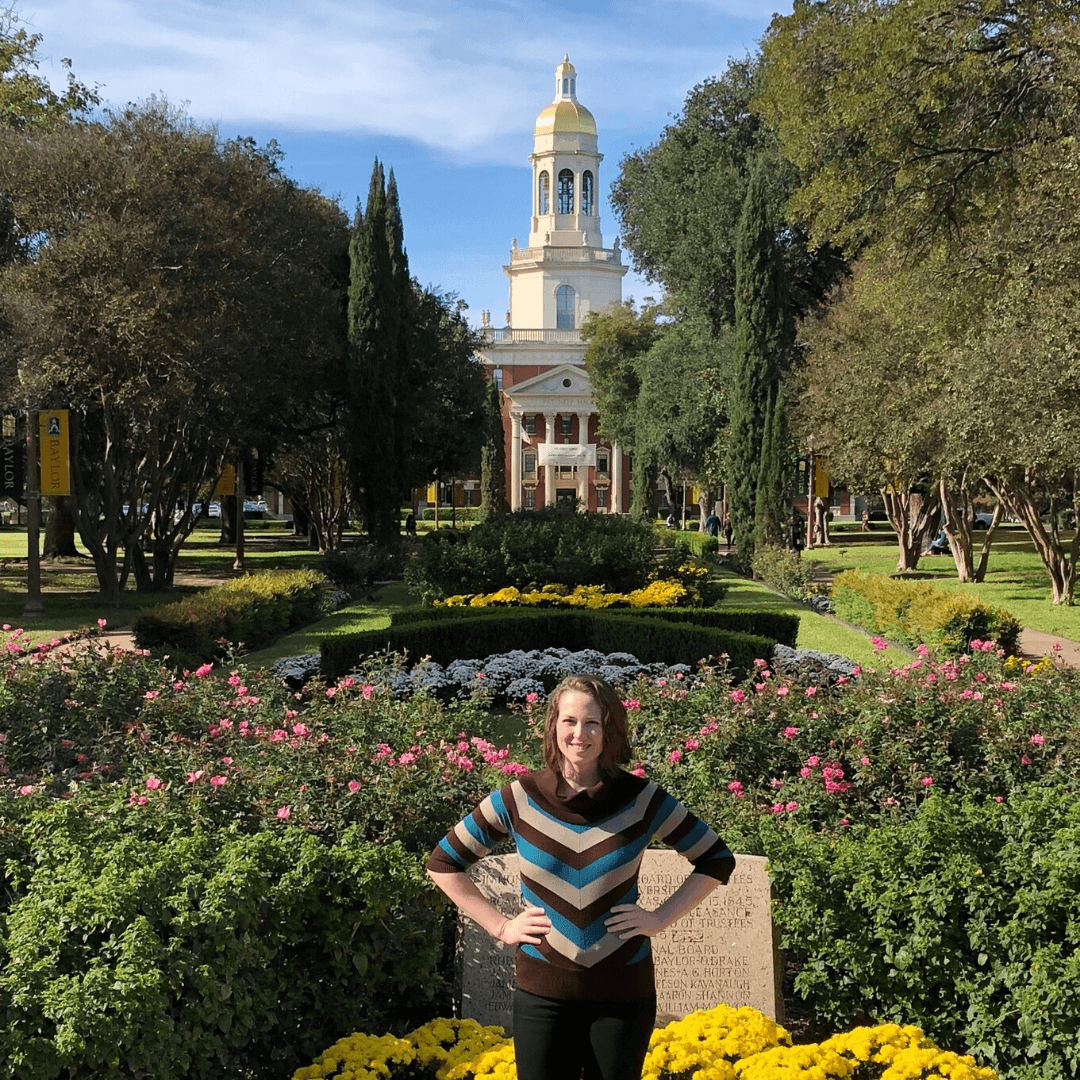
(718, 1044)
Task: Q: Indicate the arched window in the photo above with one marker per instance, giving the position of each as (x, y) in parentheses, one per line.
(545, 193)
(566, 192)
(586, 193)
(564, 308)
(566, 86)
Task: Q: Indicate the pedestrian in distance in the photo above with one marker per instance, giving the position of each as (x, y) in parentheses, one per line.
(585, 1002)
(798, 535)
(712, 524)
(728, 531)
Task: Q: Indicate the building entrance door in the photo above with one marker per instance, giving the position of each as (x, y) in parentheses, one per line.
(566, 498)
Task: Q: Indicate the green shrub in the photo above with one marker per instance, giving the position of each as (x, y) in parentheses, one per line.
(648, 638)
(533, 547)
(361, 567)
(962, 921)
(916, 612)
(785, 572)
(779, 626)
(205, 956)
(252, 610)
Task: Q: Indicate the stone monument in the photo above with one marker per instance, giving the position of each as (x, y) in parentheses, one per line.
(722, 951)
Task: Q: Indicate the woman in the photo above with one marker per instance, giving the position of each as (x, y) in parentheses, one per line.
(585, 998)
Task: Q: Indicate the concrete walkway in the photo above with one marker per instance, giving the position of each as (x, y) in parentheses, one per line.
(1035, 645)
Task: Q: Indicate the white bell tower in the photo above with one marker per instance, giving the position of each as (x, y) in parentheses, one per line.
(566, 271)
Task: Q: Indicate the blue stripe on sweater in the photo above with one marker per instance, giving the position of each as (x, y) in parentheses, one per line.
(448, 850)
(478, 834)
(583, 937)
(605, 864)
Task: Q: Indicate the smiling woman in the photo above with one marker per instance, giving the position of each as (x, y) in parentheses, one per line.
(585, 993)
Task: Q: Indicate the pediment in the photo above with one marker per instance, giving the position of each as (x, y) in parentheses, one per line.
(565, 380)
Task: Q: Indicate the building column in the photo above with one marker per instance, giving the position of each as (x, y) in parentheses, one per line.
(515, 461)
(583, 470)
(549, 469)
(616, 479)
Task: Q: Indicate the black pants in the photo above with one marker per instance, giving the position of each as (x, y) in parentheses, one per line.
(566, 1040)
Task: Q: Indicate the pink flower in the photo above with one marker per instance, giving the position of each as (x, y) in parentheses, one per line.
(367, 689)
(283, 813)
(813, 760)
(864, 761)
(639, 771)
(331, 691)
(383, 751)
(776, 784)
(879, 643)
(922, 650)
(790, 732)
(151, 694)
(26, 789)
(758, 687)
(204, 670)
(301, 730)
(926, 781)
(101, 622)
(738, 696)
(531, 697)
(692, 744)
(407, 759)
(806, 772)
(226, 761)
(791, 807)
(1025, 760)
(1056, 646)
(632, 704)
(675, 757)
(735, 786)
(1037, 740)
(193, 776)
(153, 783)
(1008, 686)
(512, 768)
(777, 808)
(291, 714)
(782, 691)
(761, 663)
(179, 685)
(856, 670)
(811, 691)
(225, 724)
(347, 683)
(481, 675)
(354, 786)
(277, 735)
(218, 781)
(843, 680)
(136, 800)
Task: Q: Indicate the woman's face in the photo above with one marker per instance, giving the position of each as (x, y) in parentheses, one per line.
(579, 733)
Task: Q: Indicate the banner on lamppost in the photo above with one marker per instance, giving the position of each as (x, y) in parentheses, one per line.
(821, 478)
(567, 454)
(227, 484)
(12, 469)
(55, 452)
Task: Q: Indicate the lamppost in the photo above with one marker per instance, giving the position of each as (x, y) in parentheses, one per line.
(810, 495)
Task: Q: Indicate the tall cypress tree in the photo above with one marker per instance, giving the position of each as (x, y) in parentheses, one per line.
(375, 335)
(493, 459)
(760, 352)
(771, 497)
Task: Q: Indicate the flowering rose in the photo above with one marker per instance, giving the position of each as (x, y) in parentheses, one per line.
(218, 781)
(153, 783)
(283, 813)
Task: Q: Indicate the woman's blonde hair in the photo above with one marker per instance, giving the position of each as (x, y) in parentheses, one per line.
(616, 746)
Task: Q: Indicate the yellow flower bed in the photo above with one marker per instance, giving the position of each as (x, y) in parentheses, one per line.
(656, 594)
(723, 1043)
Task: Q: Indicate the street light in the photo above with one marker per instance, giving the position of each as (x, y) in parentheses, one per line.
(810, 495)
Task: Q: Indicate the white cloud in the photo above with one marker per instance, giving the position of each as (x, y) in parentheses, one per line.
(452, 76)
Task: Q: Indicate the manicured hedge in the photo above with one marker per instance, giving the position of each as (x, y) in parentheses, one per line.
(914, 612)
(254, 610)
(779, 626)
(647, 637)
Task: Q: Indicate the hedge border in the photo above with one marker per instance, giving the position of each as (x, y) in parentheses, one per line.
(649, 638)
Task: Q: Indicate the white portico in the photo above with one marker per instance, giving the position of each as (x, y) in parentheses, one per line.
(564, 273)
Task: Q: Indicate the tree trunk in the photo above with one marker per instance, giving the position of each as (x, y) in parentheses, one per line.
(956, 521)
(228, 521)
(914, 516)
(144, 581)
(60, 529)
(984, 555)
(300, 519)
(1059, 561)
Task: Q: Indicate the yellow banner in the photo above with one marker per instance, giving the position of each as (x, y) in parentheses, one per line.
(821, 478)
(227, 484)
(55, 452)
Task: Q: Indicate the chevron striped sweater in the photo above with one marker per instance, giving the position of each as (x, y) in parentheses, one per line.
(578, 857)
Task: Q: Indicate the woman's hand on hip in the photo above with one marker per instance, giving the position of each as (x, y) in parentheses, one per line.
(630, 920)
(528, 928)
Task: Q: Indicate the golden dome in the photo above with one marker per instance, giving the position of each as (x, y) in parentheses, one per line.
(565, 115)
(565, 118)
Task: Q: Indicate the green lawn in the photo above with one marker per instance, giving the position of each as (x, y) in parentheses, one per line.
(1015, 579)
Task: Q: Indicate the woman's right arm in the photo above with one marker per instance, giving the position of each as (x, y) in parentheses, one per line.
(528, 928)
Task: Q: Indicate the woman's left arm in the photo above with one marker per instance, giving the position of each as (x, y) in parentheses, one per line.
(630, 920)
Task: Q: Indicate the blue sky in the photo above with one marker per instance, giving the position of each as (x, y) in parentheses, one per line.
(445, 93)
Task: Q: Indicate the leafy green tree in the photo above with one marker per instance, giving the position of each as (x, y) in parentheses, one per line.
(173, 291)
(771, 502)
(493, 459)
(761, 356)
(375, 319)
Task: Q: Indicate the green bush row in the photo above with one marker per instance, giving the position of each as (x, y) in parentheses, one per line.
(648, 637)
(196, 955)
(533, 547)
(962, 920)
(778, 626)
(252, 610)
(785, 572)
(914, 612)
